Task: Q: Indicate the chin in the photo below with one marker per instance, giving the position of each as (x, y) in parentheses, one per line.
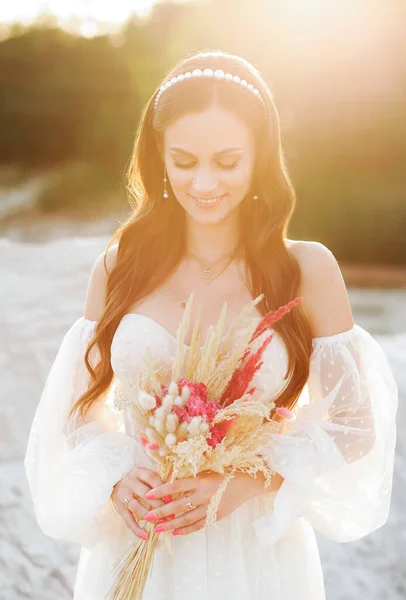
(209, 217)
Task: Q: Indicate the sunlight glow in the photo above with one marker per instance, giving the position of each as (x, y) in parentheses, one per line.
(88, 10)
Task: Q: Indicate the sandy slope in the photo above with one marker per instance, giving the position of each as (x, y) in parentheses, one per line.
(42, 293)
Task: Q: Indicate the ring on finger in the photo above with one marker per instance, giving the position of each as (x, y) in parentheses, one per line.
(128, 500)
(189, 504)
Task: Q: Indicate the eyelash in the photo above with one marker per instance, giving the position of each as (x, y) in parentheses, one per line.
(190, 165)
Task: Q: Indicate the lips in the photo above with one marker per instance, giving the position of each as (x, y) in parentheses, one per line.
(214, 200)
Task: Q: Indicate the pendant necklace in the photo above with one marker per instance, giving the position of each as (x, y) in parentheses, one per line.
(207, 272)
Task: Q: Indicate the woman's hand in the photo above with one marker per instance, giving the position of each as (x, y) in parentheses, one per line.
(199, 490)
(137, 484)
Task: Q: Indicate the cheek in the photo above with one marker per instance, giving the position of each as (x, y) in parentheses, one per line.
(240, 180)
(179, 178)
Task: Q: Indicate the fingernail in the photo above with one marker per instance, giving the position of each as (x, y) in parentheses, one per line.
(176, 532)
(150, 517)
(149, 495)
(159, 529)
(161, 520)
(167, 498)
(144, 536)
(171, 516)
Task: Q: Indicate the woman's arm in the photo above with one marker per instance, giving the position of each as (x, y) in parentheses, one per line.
(337, 455)
(72, 464)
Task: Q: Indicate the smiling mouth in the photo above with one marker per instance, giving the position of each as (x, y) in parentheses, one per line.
(208, 201)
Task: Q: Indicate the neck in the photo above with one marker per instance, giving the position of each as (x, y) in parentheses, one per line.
(210, 242)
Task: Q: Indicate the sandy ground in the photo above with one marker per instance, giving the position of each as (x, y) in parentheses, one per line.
(42, 293)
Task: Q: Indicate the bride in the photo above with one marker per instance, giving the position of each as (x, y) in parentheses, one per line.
(212, 202)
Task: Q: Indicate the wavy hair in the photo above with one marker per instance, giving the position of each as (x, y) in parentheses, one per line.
(143, 263)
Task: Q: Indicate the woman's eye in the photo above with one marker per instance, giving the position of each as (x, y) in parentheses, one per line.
(190, 165)
(232, 166)
(183, 166)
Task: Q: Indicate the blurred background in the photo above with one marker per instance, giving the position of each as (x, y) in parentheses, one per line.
(74, 78)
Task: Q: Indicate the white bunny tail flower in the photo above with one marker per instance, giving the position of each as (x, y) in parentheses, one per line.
(172, 422)
(173, 389)
(170, 439)
(153, 436)
(179, 400)
(194, 426)
(160, 413)
(167, 403)
(182, 431)
(160, 427)
(146, 401)
(204, 427)
(185, 394)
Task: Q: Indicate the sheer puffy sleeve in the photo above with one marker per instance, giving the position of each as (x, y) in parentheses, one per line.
(337, 454)
(72, 465)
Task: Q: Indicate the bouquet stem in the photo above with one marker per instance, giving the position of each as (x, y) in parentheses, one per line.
(132, 569)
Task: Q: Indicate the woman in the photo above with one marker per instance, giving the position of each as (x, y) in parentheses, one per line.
(212, 202)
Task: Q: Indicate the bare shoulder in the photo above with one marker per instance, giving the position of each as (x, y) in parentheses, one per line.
(323, 289)
(96, 288)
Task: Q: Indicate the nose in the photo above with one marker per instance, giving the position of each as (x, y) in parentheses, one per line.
(204, 183)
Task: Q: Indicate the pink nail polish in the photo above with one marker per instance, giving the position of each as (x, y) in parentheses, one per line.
(149, 495)
(150, 517)
(176, 532)
(144, 536)
(167, 498)
(170, 516)
(161, 520)
(159, 529)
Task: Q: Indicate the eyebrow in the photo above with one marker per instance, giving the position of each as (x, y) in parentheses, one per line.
(226, 150)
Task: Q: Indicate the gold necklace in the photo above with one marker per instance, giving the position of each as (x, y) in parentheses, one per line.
(207, 273)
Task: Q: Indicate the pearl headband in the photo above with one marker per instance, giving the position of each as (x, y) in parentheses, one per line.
(218, 75)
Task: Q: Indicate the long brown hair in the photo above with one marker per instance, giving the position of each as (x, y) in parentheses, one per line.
(143, 262)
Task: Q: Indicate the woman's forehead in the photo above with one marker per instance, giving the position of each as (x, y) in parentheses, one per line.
(209, 131)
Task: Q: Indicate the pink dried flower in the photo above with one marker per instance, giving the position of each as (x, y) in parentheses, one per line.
(180, 412)
(211, 409)
(218, 432)
(196, 406)
(158, 402)
(187, 418)
(284, 412)
(216, 436)
(152, 446)
(195, 387)
(202, 390)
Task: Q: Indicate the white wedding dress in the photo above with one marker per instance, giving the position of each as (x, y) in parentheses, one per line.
(336, 458)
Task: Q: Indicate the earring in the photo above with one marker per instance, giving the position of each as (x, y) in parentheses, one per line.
(255, 197)
(165, 194)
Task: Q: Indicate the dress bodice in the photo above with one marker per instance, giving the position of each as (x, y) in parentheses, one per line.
(138, 337)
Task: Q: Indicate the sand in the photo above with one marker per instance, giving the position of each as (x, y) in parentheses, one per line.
(42, 293)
